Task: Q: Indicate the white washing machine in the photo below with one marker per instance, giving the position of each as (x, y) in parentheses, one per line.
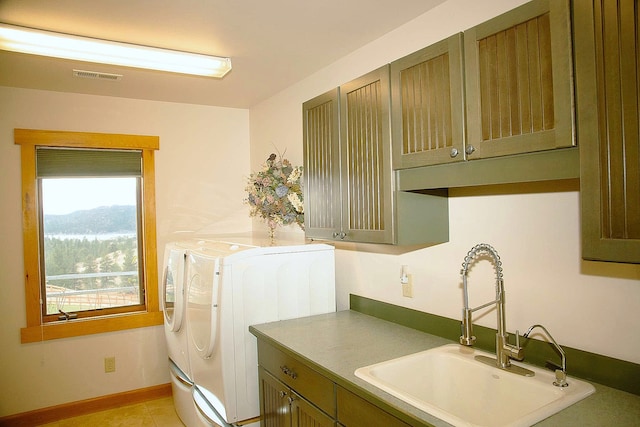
(231, 287)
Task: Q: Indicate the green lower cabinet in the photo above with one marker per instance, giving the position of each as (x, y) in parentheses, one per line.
(280, 406)
(293, 394)
(305, 414)
(274, 407)
(354, 411)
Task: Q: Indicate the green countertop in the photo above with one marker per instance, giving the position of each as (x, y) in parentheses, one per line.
(336, 344)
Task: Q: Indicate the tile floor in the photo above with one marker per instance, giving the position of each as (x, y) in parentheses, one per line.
(153, 413)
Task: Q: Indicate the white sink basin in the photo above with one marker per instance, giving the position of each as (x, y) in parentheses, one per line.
(449, 383)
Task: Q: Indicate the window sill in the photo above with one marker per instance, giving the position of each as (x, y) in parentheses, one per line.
(96, 325)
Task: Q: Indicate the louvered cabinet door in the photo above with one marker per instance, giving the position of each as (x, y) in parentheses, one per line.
(366, 158)
(428, 106)
(304, 414)
(354, 411)
(280, 406)
(322, 212)
(275, 409)
(607, 48)
(518, 73)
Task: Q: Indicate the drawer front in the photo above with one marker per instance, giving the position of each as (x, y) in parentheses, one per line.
(354, 411)
(304, 380)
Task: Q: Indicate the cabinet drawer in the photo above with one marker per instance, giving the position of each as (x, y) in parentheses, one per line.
(305, 381)
(354, 411)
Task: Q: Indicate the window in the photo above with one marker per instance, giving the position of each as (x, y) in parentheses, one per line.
(89, 233)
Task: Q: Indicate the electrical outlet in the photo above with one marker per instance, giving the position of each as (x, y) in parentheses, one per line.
(407, 288)
(109, 364)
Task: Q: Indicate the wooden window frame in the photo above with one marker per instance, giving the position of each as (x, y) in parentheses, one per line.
(36, 330)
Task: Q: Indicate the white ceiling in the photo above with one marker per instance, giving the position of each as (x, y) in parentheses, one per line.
(272, 43)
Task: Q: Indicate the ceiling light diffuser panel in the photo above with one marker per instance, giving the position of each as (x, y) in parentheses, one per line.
(38, 42)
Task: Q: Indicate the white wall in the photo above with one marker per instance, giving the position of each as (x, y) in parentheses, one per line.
(200, 176)
(535, 228)
(201, 169)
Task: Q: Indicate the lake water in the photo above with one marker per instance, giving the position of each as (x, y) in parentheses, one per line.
(90, 237)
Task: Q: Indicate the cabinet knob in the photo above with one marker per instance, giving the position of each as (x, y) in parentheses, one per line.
(470, 149)
(282, 394)
(454, 152)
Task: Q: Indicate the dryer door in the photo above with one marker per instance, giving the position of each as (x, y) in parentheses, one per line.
(202, 303)
(173, 288)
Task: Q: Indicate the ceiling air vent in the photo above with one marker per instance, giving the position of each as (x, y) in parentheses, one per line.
(96, 75)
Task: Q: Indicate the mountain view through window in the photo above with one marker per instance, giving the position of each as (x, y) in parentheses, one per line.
(90, 240)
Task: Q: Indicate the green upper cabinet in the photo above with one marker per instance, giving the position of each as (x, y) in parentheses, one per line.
(607, 48)
(349, 181)
(321, 151)
(518, 76)
(428, 115)
(501, 88)
(367, 183)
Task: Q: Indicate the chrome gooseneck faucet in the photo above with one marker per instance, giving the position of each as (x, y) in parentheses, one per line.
(504, 351)
(561, 374)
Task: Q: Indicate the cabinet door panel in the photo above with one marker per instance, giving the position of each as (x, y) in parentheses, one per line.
(304, 414)
(322, 166)
(516, 82)
(616, 35)
(607, 83)
(428, 106)
(519, 81)
(366, 153)
(274, 407)
(353, 411)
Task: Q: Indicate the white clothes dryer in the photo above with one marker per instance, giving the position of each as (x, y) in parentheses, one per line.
(173, 294)
(173, 305)
(230, 287)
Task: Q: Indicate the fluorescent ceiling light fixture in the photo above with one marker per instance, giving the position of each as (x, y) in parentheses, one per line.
(38, 42)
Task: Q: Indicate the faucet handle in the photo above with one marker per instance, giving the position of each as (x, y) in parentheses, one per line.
(516, 351)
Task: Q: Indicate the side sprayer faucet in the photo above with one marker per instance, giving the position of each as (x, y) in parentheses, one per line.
(561, 374)
(504, 351)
